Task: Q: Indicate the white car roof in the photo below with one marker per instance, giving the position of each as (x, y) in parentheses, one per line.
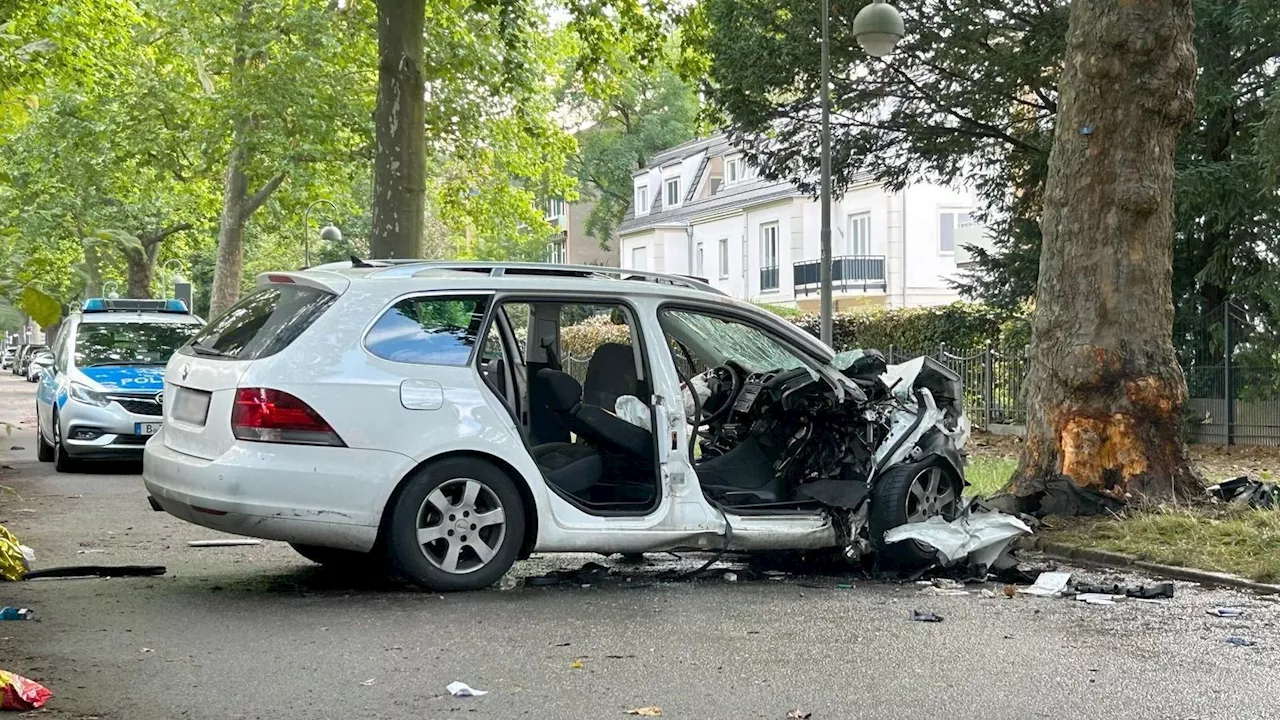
(155, 318)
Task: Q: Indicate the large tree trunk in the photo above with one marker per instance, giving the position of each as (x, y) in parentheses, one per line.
(400, 163)
(237, 207)
(141, 269)
(228, 270)
(93, 268)
(1105, 393)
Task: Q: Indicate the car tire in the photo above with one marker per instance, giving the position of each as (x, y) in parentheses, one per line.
(443, 533)
(62, 462)
(343, 560)
(907, 493)
(44, 451)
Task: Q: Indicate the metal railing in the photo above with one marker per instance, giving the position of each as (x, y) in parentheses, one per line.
(769, 278)
(864, 272)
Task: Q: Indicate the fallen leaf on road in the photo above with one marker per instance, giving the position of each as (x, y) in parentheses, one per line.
(576, 665)
(651, 711)
(368, 682)
(799, 715)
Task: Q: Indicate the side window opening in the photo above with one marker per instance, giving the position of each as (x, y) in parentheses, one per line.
(428, 330)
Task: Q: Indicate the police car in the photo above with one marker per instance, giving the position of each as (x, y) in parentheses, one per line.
(103, 395)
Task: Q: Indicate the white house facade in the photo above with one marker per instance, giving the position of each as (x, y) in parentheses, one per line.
(700, 210)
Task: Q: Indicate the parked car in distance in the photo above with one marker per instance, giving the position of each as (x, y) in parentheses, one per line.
(425, 414)
(6, 357)
(101, 397)
(23, 358)
(40, 361)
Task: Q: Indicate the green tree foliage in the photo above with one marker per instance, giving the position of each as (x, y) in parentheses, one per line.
(646, 108)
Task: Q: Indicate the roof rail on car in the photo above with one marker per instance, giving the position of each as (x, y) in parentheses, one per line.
(498, 269)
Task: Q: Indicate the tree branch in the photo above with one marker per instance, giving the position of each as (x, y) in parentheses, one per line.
(156, 239)
(255, 200)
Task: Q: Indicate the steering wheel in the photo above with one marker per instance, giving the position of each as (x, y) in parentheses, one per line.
(725, 383)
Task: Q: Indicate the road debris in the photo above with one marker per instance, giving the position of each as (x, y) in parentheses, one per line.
(13, 613)
(80, 571)
(1099, 598)
(650, 711)
(19, 693)
(978, 537)
(575, 665)
(508, 582)
(370, 682)
(1222, 612)
(1049, 584)
(461, 689)
(918, 616)
(1241, 642)
(989, 593)
(13, 561)
(731, 577)
(1143, 592)
(799, 715)
(235, 542)
(589, 574)
(1247, 491)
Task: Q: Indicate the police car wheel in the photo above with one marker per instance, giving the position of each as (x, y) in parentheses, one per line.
(62, 462)
(44, 451)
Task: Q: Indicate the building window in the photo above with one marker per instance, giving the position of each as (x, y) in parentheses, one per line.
(724, 258)
(949, 221)
(769, 257)
(555, 208)
(556, 254)
(699, 262)
(642, 200)
(858, 241)
(737, 170)
(640, 258)
(673, 192)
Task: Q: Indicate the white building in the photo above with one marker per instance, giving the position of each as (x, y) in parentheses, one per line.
(700, 210)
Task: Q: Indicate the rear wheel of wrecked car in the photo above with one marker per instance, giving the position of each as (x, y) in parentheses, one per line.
(908, 494)
(457, 525)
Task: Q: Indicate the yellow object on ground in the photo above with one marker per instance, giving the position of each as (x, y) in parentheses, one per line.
(13, 564)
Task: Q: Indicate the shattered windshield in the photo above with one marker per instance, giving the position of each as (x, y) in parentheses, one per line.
(721, 340)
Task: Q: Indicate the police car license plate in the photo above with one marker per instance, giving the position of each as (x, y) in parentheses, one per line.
(146, 428)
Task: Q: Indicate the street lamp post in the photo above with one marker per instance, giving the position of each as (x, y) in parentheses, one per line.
(877, 27)
(329, 232)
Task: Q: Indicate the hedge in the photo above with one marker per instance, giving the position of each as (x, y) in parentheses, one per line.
(962, 326)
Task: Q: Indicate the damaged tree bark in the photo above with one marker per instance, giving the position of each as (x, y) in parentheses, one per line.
(1105, 393)
(400, 161)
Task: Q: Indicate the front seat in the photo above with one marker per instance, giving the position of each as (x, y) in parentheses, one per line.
(608, 447)
(611, 373)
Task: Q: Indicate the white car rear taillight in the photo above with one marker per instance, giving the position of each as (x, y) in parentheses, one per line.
(275, 416)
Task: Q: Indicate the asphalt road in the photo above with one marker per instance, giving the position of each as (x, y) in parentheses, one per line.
(258, 632)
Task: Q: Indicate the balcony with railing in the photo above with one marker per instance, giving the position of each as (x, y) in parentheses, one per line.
(848, 273)
(769, 278)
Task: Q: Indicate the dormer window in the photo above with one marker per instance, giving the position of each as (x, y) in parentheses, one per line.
(673, 197)
(736, 170)
(642, 199)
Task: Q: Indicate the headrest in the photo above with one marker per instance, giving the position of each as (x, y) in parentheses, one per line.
(564, 394)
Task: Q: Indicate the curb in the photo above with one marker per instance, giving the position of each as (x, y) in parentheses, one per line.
(1109, 559)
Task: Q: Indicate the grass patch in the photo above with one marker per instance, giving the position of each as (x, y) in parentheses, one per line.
(986, 475)
(1237, 540)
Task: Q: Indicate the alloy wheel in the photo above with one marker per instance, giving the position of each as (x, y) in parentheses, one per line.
(461, 526)
(931, 493)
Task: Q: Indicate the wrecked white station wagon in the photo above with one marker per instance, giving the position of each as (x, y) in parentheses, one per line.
(426, 413)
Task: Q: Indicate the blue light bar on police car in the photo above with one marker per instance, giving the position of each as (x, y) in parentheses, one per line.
(97, 305)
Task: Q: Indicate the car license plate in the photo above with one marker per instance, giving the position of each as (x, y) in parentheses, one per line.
(190, 406)
(146, 428)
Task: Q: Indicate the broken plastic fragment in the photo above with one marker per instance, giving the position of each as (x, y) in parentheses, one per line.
(461, 689)
(925, 616)
(1049, 584)
(1099, 598)
(650, 711)
(1241, 642)
(980, 537)
(1226, 612)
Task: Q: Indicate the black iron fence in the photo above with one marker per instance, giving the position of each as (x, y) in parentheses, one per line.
(864, 272)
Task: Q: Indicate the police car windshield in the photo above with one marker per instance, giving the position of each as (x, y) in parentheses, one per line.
(129, 343)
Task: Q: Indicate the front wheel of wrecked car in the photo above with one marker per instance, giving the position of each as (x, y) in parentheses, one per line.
(909, 494)
(457, 525)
